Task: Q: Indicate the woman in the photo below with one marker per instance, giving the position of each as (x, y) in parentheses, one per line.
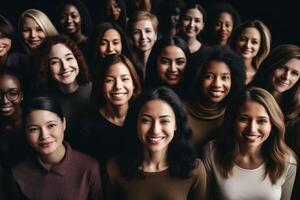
(115, 84)
(142, 28)
(57, 171)
(34, 27)
(222, 22)
(256, 160)
(156, 152)
(75, 22)
(115, 11)
(167, 63)
(280, 74)
(217, 77)
(11, 138)
(61, 72)
(252, 41)
(191, 23)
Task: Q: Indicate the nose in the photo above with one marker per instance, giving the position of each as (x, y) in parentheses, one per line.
(33, 33)
(109, 48)
(216, 82)
(142, 34)
(44, 133)
(156, 128)
(64, 64)
(3, 98)
(118, 84)
(69, 19)
(248, 43)
(172, 67)
(192, 23)
(223, 27)
(253, 126)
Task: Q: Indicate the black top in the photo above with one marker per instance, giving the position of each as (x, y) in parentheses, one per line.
(99, 137)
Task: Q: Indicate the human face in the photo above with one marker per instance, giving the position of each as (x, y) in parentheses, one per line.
(118, 85)
(156, 125)
(70, 19)
(63, 65)
(45, 132)
(192, 23)
(171, 65)
(10, 87)
(216, 81)
(285, 77)
(5, 45)
(252, 125)
(143, 35)
(223, 27)
(33, 35)
(248, 43)
(113, 9)
(110, 43)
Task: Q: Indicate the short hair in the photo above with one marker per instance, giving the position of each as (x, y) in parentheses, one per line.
(42, 77)
(152, 79)
(223, 54)
(219, 8)
(276, 59)
(6, 28)
(180, 154)
(274, 150)
(122, 21)
(142, 15)
(86, 20)
(265, 44)
(101, 71)
(101, 30)
(41, 19)
(42, 103)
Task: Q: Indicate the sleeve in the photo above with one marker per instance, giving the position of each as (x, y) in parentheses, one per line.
(207, 161)
(198, 191)
(95, 192)
(288, 184)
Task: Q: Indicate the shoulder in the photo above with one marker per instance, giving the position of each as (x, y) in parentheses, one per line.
(84, 161)
(25, 168)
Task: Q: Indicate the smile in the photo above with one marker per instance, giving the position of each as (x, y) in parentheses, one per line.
(216, 93)
(45, 144)
(155, 140)
(251, 138)
(66, 74)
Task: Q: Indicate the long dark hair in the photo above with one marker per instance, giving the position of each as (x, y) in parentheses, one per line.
(180, 155)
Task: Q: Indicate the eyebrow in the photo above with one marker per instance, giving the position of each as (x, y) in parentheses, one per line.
(162, 116)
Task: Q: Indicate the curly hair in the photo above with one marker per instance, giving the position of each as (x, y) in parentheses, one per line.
(265, 43)
(41, 71)
(151, 78)
(180, 156)
(279, 56)
(199, 64)
(97, 95)
(122, 21)
(274, 150)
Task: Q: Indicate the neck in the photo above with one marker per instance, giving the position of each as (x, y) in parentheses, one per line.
(193, 44)
(115, 114)
(155, 162)
(55, 157)
(78, 36)
(68, 89)
(223, 42)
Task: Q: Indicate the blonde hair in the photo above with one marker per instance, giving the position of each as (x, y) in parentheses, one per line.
(41, 19)
(142, 15)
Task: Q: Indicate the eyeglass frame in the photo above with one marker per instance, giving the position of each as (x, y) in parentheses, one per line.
(2, 94)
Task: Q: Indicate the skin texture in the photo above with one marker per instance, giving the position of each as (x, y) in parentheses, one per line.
(113, 9)
(285, 77)
(118, 85)
(156, 126)
(216, 81)
(5, 46)
(192, 23)
(171, 64)
(70, 19)
(32, 34)
(110, 43)
(143, 35)
(223, 27)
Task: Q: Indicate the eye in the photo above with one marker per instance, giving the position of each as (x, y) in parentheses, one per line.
(164, 121)
(103, 43)
(180, 62)
(125, 79)
(164, 61)
(39, 29)
(225, 77)
(108, 80)
(295, 73)
(51, 125)
(243, 119)
(254, 42)
(146, 120)
(32, 130)
(148, 30)
(70, 58)
(54, 62)
(198, 20)
(116, 42)
(208, 76)
(262, 121)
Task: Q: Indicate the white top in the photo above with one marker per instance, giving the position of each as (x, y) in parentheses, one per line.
(248, 184)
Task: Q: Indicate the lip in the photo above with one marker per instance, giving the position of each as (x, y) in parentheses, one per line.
(143, 43)
(155, 140)
(46, 144)
(34, 42)
(216, 93)
(66, 74)
(223, 34)
(251, 137)
(6, 109)
(172, 76)
(283, 83)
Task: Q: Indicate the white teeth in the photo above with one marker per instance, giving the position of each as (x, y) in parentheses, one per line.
(155, 139)
(252, 137)
(216, 93)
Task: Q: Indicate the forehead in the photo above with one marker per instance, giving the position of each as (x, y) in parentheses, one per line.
(29, 21)
(251, 32)
(41, 116)
(172, 51)
(9, 81)
(59, 49)
(225, 16)
(142, 24)
(215, 66)
(111, 33)
(253, 108)
(118, 69)
(69, 8)
(194, 12)
(293, 64)
(157, 107)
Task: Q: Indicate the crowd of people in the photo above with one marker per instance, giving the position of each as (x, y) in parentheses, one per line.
(170, 101)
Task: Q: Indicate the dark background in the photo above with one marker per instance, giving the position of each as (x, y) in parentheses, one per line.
(282, 17)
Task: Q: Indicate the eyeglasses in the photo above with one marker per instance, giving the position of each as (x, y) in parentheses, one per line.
(11, 95)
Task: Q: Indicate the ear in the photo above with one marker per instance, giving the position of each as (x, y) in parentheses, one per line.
(65, 123)
(21, 96)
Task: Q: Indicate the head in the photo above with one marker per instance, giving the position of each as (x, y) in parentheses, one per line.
(223, 21)
(167, 62)
(6, 36)
(57, 56)
(221, 75)
(34, 27)
(116, 76)
(11, 94)
(142, 28)
(192, 20)
(74, 17)
(110, 39)
(116, 11)
(44, 125)
(252, 40)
